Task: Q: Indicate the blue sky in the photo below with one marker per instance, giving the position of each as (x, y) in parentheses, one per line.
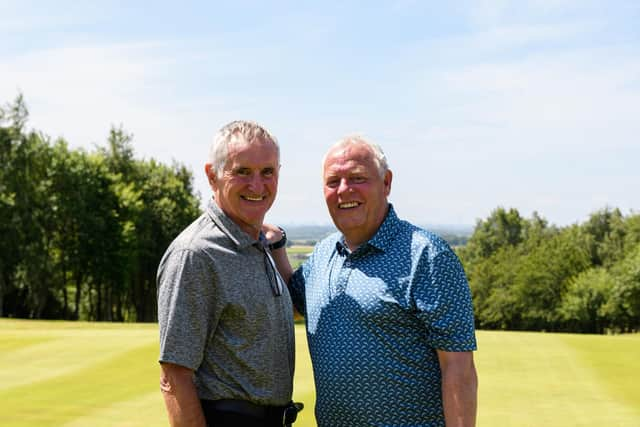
(533, 105)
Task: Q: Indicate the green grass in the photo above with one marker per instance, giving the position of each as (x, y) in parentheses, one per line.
(299, 250)
(538, 379)
(73, 374)
(297, 254)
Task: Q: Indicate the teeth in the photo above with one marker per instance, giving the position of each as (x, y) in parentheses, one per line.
(252, 199)
(348, 205)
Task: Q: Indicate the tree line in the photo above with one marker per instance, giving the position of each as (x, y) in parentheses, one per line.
(528, 275)
(81, 231)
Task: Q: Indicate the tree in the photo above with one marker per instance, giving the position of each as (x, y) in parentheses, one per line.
(83, 233)
(12, 120)
(607, 228)
(492, 281)
(582, 306)
(502, 228)
(623, 306)
(166, 205)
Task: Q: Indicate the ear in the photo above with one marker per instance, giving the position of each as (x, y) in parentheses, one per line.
(211, 174)
(388, 177)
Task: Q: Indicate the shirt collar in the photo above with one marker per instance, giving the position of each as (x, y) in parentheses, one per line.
(230, 228)
(383, 238)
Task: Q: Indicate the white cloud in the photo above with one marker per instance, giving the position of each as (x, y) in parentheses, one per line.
(555, 96)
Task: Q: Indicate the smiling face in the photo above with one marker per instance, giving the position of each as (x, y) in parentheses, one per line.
(248, 183)
(355, 193)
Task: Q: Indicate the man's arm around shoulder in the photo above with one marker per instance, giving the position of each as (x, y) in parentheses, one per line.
(180, 396)
(459, 388)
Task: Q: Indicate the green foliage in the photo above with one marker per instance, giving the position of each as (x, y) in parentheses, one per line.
(623, 306)
(526, 275)
(608, 230)
(502, 229)
(583, 305)
(83, 232)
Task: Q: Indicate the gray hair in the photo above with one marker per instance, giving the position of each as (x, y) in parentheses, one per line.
(251, 131)
(379, 157)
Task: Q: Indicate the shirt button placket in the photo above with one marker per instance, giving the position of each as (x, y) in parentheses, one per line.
(343, 277)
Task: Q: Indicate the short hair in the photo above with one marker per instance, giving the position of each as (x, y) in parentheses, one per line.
(251, 131)
(379, 157)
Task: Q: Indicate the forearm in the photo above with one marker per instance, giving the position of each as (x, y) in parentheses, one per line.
(460, 403)
(180, 397)
(459, 394)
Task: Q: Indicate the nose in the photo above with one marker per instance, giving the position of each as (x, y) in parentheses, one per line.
(344, 186)
(255, 183)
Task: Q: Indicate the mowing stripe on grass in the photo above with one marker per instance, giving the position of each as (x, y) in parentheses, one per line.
(58, 400)
(55, 352)
(613, 361)
(74, 374)
(538, 379)
(143, 410)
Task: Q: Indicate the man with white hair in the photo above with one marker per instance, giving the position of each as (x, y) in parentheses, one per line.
(226, 319)
(387, 307)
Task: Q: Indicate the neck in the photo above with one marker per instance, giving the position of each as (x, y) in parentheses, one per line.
(252, 230)
(355, 241)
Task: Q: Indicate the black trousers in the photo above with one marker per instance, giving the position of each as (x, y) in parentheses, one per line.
(230, 419)
(224, 418)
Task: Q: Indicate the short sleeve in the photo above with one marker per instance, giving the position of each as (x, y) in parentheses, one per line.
(186, 309)
(443, 299)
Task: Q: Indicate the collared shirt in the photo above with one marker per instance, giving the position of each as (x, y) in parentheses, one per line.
(220, 315)
(375, 318)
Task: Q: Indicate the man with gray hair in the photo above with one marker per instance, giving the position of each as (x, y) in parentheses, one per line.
(387, 307)
(225, 316)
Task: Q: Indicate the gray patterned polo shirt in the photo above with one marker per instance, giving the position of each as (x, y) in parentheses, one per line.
(220, 315)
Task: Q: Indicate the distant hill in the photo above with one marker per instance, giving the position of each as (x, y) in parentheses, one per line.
(308, 233)
(454, 229)
(455, 235)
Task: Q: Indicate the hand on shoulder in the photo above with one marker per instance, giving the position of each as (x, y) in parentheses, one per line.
(274, 234)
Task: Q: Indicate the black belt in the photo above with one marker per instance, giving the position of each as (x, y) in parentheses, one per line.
(287, 414)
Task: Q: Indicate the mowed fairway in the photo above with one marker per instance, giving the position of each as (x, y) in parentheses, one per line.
(92, 374)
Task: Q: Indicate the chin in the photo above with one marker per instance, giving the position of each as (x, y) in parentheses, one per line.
(347, 224)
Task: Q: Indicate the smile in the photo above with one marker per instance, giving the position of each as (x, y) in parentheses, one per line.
(253, 198)
(348, 205)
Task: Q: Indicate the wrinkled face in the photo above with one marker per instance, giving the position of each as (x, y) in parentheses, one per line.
(355, 193)
(249, 182)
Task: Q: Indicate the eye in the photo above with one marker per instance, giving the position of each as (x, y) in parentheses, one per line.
(358, 179)
(332, 182)
(243, 171)
(267, 172)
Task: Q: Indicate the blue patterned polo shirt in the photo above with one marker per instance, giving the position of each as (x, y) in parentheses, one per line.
(374, 319)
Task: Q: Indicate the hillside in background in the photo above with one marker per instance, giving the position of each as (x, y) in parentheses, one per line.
(455, 235)
(308, 234)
